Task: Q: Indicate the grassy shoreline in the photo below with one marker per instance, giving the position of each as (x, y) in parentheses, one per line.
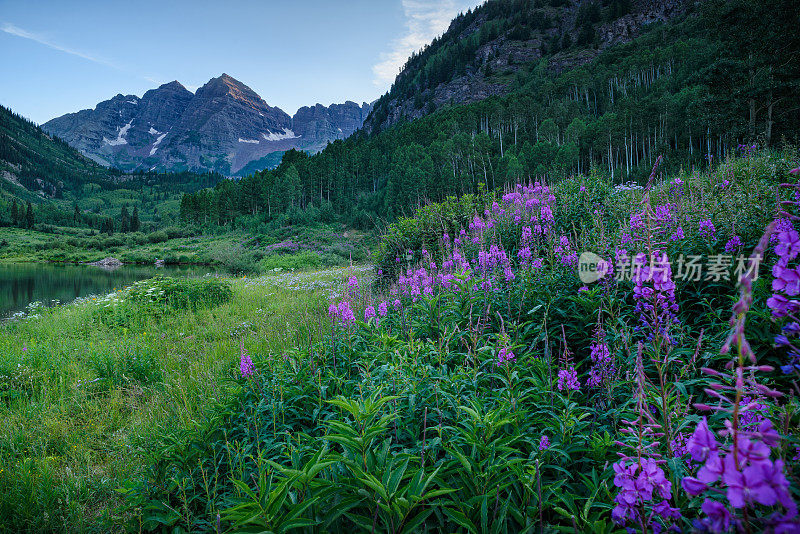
(87, 388)
(235, 251)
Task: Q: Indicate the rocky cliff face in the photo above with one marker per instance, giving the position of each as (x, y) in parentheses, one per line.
(320, 125)
(491, 70)
(222, 127)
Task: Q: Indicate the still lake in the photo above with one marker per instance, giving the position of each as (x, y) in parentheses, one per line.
(23, 283)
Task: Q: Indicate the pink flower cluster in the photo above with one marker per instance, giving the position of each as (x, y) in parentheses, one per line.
(644, 491)
(733, 244)
(246, 366)
(786, 282)
(505, 356)
(603, 369)
(568, 379)
(479, 253)
(342, 313)
(656, 304)
(707, 229)
(743, 473)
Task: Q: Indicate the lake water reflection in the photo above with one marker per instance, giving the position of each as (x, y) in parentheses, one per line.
(23, 283)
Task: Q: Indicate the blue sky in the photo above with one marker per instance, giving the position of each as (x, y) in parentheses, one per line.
(58, 57)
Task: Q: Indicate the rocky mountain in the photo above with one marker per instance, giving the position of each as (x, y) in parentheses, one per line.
(224, 127)
(483, 49)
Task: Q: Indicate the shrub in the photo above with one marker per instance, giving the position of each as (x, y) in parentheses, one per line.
(180, 293)
(234, 258)
(299, 260)
(157, 237)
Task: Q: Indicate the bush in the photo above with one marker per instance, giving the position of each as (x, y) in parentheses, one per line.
(234, 258)
(180, 293)
(113, 241)
(174, 232)
(158, 237)
(299, 260)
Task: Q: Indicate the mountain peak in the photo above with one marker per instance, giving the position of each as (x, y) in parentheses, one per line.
(174, 85)
(226, 85)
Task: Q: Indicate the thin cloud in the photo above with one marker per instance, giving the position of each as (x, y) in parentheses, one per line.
(425, 19)
(11, 29)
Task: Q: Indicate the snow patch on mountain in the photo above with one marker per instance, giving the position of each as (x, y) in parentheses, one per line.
(153, 131)
(249, 140)
(121, 133)
(287, 134)
(155, 145)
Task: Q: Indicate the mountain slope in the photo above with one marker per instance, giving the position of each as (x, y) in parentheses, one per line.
(224, 127)
(34, 163)
(483, 49)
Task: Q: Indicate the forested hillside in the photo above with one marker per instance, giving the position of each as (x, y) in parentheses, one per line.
(40, 164)
(693, 89)
(482, 50)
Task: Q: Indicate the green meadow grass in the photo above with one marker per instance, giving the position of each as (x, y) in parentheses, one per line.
(86, 388)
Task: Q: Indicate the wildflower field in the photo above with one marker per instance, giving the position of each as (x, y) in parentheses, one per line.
(474, 379)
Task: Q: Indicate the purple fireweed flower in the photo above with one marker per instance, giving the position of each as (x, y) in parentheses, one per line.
(702, 443)
(639, 483)
(345, 313)
(568, 379)
(733, 244)
(787, 280)
(383, 309)
(544, 442)
(246, 367)
(788, 244)
(707, 229)
(397, 305)
(369, 313)
(352, 283)
(741, 467)
(748, 486)
(505, 356)
(603, 369)
(718, 518)
(783, 224)
(656, 306)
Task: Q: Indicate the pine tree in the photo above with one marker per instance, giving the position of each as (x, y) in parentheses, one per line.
(135, 223)
(29, 217)
(124, 220)
(76, 216)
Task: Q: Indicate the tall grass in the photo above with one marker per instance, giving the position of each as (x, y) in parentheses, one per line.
(85, 389)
